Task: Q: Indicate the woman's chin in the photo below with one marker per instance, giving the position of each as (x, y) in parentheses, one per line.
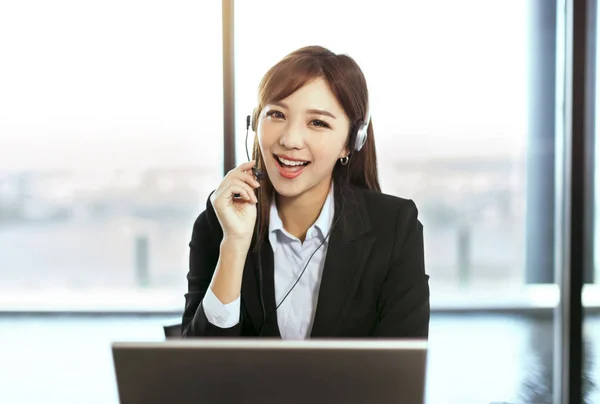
(286, 189)
(291, 188)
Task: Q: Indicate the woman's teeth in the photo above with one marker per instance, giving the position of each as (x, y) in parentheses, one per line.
(291, 163)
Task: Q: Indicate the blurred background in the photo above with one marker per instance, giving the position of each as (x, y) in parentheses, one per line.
(111, 139)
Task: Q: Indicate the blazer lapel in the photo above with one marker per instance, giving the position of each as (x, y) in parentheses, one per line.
(251, 290)
(349, 248)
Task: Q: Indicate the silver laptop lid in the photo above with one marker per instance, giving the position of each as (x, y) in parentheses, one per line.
(271, 370)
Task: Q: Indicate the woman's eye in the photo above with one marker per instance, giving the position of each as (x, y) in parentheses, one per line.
(275, 114)
(319, 123)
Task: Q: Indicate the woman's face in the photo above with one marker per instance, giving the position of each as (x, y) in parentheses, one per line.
(301, 137)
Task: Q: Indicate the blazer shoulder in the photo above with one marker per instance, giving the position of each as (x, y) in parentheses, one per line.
(388, 206)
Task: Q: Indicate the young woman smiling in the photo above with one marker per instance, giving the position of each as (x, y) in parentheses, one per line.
(313, 249)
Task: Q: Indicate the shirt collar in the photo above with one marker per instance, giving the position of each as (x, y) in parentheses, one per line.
(322, 225)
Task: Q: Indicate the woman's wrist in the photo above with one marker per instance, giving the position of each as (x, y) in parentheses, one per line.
(227, 280)
(234, 246)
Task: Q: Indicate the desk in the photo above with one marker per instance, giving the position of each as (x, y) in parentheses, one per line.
(72, 357)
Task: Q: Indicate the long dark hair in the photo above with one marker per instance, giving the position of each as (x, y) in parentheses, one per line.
(348, 84)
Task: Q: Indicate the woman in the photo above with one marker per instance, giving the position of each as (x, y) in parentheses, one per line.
(314, 249)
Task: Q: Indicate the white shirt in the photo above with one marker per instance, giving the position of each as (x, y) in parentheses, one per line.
(296, 314)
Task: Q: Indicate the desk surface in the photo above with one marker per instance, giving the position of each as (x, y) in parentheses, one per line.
(60, 360)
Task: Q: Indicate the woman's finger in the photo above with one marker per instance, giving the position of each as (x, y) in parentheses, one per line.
(238, 189)
(245, 166)
(247, 177)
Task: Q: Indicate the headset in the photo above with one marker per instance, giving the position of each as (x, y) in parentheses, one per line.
(360, 138)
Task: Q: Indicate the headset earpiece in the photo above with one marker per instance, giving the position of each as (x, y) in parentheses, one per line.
(361, 133)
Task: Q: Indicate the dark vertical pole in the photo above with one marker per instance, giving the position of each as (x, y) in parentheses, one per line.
(228, 87)
(539, 228)
(572, 197)
(590, 140)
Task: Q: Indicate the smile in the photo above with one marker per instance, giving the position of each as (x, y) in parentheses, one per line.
(288, 168)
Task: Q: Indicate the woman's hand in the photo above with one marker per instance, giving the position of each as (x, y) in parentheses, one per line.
(237, 216)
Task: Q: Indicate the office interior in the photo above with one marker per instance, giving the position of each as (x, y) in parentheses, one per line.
(118, 118)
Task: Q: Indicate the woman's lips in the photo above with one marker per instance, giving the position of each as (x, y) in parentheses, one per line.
(289, 172)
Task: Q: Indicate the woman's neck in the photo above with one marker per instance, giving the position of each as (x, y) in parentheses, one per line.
(300, 212)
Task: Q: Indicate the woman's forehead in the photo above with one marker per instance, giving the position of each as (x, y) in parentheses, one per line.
(315, 94)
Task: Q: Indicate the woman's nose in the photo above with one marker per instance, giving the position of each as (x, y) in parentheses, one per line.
(292, 137)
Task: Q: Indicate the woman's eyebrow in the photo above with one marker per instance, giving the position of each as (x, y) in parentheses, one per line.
(320, 112)
(283, 105)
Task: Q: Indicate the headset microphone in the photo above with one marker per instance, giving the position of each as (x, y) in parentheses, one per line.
(258, 174)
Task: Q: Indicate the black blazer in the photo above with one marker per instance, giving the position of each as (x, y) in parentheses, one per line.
(373, 285)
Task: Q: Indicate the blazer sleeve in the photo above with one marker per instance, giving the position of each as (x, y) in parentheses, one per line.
(403, 304)
(204, 254)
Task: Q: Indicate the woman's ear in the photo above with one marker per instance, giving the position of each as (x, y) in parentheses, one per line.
(345, 152)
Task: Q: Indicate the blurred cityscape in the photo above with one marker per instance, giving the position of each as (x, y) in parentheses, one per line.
(67, 196)
(82, 229)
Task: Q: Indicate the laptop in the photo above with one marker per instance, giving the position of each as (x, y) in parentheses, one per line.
(271, 371)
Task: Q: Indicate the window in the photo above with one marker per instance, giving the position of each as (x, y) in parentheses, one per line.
(110, 142)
